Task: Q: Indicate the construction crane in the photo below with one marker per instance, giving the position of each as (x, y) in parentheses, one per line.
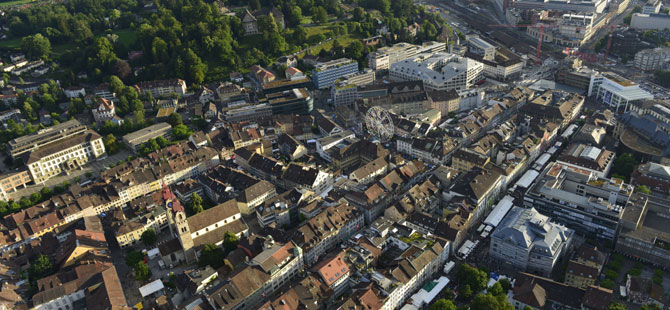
(541, 35)
(612, 26)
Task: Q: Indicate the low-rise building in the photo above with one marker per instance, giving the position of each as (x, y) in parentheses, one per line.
(134, 140)
(651, 59)
(162, 88)
(304, 177)
(334, 272)
(590, 158)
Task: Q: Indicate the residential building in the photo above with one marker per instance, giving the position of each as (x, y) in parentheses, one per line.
(528, 241)
(74, 92)
(618, 92)
(555, 106)
(291, 147)
(25, 144)
(64, 155)
(334, 272)
(415, 267)
(655, 177)
(278, 208)
(643, 291)
(585, 267)
(331, 226)
(104, 111)
(104, 90)
(250, 23)
(304, 177)
(262, 75)
(445, 102)
(96, 285)
(130, 232)
(465, 159)
(282, 262)
(369, 172)
(543, 294)
(580, 200)
(427, 149)
(590, 158)
(162, 88)
(134, 140)
(644, 232)
(13, 180)
(294, 74)
(325, 74)
(439, 71)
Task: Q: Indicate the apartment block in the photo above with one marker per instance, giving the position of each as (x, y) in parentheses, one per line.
(162, 88)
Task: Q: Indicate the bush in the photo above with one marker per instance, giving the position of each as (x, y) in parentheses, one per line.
(607, 283)
(611, 274)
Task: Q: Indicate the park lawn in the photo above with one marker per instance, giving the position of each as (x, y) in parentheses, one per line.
(306, 20)
(345, 40)
(127, 36)
(11, 43)
(314, 30)
(15, 2)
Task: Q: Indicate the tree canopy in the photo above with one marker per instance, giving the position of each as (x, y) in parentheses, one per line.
(36, 46)
(149, 237)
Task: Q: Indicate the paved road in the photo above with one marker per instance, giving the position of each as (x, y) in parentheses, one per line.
(93, 166)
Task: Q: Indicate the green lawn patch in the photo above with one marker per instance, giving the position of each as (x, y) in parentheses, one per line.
(15, 2)
(127, 37)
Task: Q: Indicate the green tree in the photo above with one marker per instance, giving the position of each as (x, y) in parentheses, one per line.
(624, 165)
(149, 237)
(254, 5)
(658, 276)
(181, 132)
(174, 119)
(42, 266)
(276, 43)
(294, 17)
(468, 275)
(299, 35)
(651, 306)
(230, 241)
(506, 285)
(110, 144)
(142, 272)
(46, 192)
(355, 50)
(211, 255)
(36, 46)
(496, 289)
(643, 189)
(116, 85)
(443, 304)
(607, 283)
(359, 14)
(617, 306)
(133, 257)
(490, 302)
(319, 15)
(196, 203)
(194, 69)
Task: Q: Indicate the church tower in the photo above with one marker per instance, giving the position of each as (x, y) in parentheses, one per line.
(178, 223)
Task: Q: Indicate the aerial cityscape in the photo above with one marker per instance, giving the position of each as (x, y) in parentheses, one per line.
(335, 154)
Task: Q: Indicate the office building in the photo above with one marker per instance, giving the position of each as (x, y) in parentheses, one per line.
(292, 101)
(439, 71)
(641, 21)
(325, 74)
(384, 57)
(25, 144)
(556, 106)
(134, 140)
(529, 241)
(64, 155)
(589, 6)
(652, 7)
(481, 47)
(579, 200)
(344, 91)
(651, 59)
(618, 92)
(644, 232)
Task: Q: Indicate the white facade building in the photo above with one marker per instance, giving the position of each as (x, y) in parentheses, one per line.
(439, 71)
(617, 92)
